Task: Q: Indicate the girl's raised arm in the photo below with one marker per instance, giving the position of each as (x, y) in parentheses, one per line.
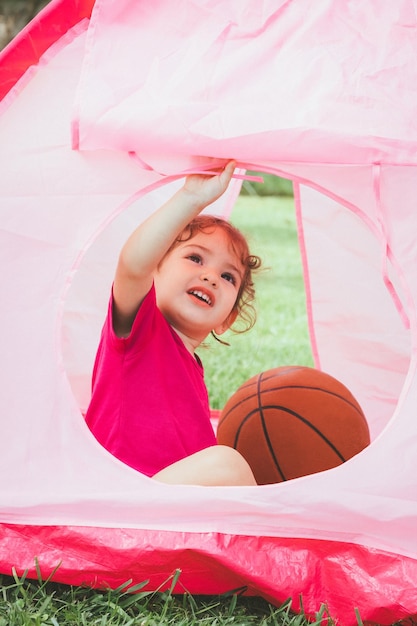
(148, 244)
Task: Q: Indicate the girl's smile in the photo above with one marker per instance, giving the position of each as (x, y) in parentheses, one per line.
(202, 296)
(197, 286)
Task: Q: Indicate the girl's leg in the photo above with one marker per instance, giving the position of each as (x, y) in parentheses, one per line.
(217, 465)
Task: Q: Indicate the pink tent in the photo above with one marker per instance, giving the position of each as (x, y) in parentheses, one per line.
(103, 108)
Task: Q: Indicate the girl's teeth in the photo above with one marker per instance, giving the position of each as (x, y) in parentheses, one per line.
(202, 296)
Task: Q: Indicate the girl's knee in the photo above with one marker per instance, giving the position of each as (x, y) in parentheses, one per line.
(234, 468)
(217, 465)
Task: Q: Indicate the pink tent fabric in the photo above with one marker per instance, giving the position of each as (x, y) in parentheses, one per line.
(103, 109)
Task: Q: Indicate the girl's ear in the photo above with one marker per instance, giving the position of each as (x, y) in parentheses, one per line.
(230, 319)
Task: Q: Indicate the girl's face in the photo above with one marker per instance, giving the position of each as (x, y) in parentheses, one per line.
(197, 285)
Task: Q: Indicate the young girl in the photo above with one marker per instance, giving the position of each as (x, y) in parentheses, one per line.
(179, 277)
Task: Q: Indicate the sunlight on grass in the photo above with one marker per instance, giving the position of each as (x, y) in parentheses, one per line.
(280, 335)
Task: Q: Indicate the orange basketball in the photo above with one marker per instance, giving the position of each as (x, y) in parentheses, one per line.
(292, 421)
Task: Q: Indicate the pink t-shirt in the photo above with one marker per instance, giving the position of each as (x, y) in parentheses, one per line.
(149, 405)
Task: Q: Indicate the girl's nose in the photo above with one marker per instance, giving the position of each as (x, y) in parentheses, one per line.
(211, 278)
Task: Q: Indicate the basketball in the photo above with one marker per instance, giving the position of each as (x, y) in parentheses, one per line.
(292, 421)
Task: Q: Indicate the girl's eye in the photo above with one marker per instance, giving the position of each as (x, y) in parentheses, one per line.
(229, 277)
(196, 258)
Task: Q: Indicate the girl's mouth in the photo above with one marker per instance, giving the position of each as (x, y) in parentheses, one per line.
(201, 295)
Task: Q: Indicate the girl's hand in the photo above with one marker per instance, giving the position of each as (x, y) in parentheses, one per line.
(208, 188)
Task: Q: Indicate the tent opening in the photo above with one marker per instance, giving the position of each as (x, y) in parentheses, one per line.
(344, 333)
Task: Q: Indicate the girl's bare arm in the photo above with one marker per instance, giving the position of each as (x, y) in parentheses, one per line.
(147, 245)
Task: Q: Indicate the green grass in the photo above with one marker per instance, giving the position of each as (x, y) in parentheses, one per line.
(280, 335)
(42, 603)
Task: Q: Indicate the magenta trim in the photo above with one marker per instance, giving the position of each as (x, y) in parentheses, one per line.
(386, 251)
(307, 285)
(26, 49)
(256, 179)
(213, 563)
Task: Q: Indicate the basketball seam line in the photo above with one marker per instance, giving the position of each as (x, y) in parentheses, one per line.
(294, 414)
(266, 435)
(332, 393)
(310, 425)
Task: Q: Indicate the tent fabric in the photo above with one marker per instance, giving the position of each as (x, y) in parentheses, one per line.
(346, 67)
(100, 120)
